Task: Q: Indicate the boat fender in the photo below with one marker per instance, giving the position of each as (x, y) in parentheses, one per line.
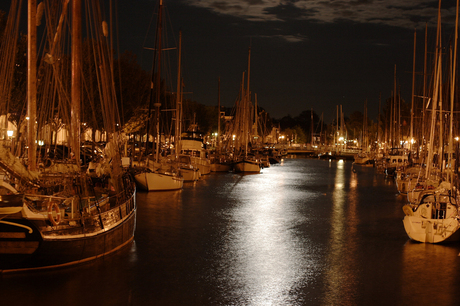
(408, 210)
(54, 205)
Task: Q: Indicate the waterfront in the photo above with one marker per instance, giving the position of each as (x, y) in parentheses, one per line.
(305, 232)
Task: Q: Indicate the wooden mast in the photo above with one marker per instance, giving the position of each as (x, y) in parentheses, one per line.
(32, 82)
(178, 99)
(76, 80)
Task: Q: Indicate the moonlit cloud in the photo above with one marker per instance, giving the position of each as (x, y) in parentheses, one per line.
(397, 13)
(289, 38)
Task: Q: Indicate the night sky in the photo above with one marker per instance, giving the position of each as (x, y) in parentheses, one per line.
(304, 53)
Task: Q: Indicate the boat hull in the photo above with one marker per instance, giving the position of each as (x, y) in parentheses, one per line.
(245, 166)
(202, 164)
(151, 181)
(217, 167)
(34, 244)
(190, 175)
(432, 230)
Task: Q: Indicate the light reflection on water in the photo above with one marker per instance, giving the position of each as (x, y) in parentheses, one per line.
(438, 262)
(340, 278)
(266, 258)
(307, 232)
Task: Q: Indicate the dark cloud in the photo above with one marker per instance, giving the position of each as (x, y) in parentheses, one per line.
(289, 11)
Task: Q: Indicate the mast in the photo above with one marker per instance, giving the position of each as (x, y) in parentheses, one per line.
(32, 82)
(342, 127)
(394, 109)
(246, 113)
(436, 91)
(178, 100)
(76, 80)
(424, 89)
(364, 142)
(256, 117)
(378, 121)
(412, 104)
(157, 103)
(311, 126)
(321, 128)
(337, 133)
(218, 115)
(452, 94)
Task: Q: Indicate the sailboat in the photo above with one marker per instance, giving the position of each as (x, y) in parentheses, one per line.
(365, 157)
(151, 175)
(51, 219)
(434, 217)
(220, 162)
(246, 162)
(189, 171)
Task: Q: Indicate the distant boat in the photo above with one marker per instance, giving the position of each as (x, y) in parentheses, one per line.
(220, 163)
(158, 181)
(364, 159)
(396, 159)
(246, 162)
(192, 145)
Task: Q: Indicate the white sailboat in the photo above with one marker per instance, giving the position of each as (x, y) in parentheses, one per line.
(246, 163)
(434, 217)
(151, 175)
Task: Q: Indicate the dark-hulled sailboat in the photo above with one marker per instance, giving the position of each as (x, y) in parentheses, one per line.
(63, 214)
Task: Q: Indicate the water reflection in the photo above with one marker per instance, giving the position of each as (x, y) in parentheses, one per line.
(308, 232)
(431, 270)
(267, 260)
(340, 277)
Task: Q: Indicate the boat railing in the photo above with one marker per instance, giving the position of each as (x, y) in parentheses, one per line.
(69, 207)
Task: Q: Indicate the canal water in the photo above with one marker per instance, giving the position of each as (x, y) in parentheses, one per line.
(303, 232)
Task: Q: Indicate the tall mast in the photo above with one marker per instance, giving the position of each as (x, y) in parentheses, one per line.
(248, 94)
(412, 104)
(32, 81)
(436, 91)
(378, 121)
(218, 115)
(158, 83)
(424, 90)
(452, 94)
(76, 79)
(394, 109)
(178, 100)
